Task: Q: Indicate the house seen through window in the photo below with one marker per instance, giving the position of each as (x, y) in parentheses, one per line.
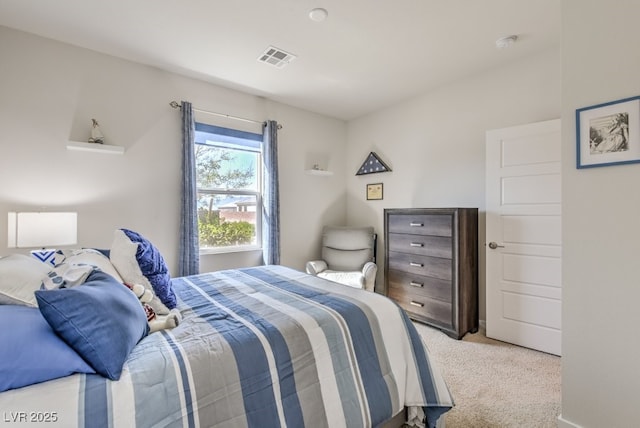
(228, 176)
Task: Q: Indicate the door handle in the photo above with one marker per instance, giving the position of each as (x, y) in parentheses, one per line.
(493, 245)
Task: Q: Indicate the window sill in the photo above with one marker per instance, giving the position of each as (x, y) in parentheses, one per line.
(225, 250)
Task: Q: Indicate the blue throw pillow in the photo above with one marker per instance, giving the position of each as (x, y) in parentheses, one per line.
(31, 352)
(102, 320)
(154, 268)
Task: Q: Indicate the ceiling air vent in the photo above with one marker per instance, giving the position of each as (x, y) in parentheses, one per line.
(276, 57)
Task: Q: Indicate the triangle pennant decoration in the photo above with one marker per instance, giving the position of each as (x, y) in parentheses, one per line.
(372, 165)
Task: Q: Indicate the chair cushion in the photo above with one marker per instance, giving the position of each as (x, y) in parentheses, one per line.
(314, 267)
(345, 260)
(347, 238)
(352, 279)
(347, 248)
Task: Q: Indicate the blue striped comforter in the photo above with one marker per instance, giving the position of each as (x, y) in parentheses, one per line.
(258, 347)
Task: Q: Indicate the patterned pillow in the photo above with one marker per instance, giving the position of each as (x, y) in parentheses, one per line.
(66, 275)
(87, 257)
(138, 261)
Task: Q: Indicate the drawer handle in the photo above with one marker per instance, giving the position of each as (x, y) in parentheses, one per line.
(416, 224)
(416, 284)
(416, 244)
(418, 304)
(413, 264)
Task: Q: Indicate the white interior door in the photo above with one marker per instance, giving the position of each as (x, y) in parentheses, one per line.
(523, 221)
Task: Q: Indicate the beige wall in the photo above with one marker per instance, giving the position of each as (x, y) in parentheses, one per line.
(435, 143)
(50, 91)
(601, 233)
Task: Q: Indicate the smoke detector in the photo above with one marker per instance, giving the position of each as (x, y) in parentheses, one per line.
(318, 14)
(505, 42)
(276, 57)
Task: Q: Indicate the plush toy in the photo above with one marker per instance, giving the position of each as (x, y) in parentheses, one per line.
(156, 322)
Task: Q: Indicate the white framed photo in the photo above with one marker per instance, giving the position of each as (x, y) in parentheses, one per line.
(608, 133)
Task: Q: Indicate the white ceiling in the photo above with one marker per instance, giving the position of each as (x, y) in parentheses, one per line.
(366, 55)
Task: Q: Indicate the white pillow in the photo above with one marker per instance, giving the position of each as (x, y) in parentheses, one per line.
(20, 276)
(123, 257)
(91, 257)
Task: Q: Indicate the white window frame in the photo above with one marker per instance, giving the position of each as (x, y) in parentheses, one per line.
(232, 192)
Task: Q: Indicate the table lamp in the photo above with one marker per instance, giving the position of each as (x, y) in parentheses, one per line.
(43, 230)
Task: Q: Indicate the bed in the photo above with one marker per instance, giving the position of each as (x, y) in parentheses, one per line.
(267, 346)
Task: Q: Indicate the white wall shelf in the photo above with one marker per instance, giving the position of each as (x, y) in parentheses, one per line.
(318, 172)
(94, 147)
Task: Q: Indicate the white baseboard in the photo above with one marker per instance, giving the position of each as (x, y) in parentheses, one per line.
(563, 423)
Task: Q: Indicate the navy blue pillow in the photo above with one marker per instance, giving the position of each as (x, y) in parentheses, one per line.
(154, 268)
(102, 320)
(31, 352)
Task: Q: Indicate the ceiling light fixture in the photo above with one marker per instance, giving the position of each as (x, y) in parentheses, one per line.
(505, 42)
(318, 14)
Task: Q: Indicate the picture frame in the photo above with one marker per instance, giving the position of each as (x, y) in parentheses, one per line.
(608, 133)
(374, 192)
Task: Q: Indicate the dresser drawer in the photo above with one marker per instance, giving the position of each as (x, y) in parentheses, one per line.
(426, 245)
(434, 267)
(421, 224)
(425, 286)
(434, 310)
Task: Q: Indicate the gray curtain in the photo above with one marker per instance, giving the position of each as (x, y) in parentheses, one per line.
(270, 196)
(189, 259)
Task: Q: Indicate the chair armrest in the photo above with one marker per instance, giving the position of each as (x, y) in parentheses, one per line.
(369, 271)
(314, 267)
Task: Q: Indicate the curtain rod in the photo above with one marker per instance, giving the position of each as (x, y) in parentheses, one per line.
(176, 104)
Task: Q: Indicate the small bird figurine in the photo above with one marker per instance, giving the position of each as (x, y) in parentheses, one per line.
(96, 135)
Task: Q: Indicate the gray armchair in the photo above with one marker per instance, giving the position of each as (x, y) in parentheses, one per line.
(348, 257)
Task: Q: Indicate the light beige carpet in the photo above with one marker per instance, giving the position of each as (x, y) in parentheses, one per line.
(496, 384)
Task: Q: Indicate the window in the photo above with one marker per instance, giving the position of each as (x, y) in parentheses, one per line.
(228, 176)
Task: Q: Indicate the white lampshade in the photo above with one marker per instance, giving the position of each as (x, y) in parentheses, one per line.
(42, 229)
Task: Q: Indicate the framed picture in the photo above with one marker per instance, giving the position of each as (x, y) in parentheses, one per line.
(608, 133)
(374, 191)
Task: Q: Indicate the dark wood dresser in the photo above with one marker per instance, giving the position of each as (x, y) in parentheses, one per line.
(431, 266)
